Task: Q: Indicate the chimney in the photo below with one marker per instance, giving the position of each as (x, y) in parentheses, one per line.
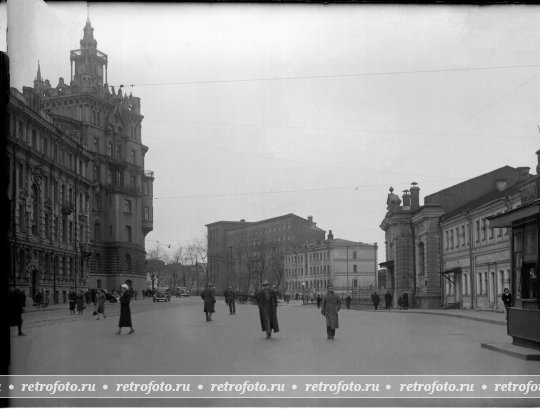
(538, 162)
(415, 196)
(406, 200)
(310, 219)
(523, 172)
(330, 235)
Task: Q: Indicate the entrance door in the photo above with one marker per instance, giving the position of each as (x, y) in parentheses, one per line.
(35, 283)
(492, 296)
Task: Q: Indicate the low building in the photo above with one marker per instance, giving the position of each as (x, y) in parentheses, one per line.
(351, 267)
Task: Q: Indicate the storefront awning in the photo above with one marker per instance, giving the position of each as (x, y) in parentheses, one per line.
(506, 219)
(446, 273)
(387, 264)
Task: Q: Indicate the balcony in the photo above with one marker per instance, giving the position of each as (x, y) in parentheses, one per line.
(147, 226)
(149, 174)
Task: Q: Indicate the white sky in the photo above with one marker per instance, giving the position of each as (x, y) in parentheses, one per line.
(361, 118)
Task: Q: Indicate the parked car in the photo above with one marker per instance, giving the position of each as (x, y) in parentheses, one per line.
(162, 295)
(182, 292)
(112, 297)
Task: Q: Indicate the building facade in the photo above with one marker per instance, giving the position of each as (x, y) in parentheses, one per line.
(80, 199)
(351, 267)
(243, 254)
(444, 254)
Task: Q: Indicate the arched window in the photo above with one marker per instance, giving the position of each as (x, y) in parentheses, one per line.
(128, 263)
(128, 234)
(97, 232)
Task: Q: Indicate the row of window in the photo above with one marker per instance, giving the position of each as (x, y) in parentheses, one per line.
(317, 256)
(483, 281)
(117, 151)
(64, 156)
(458, 237)
(317, 285)
(54, 265)
(134, 131)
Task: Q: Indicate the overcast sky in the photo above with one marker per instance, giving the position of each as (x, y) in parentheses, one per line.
(256, 111)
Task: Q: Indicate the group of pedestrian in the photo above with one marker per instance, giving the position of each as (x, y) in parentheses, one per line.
(42, 298)
(403, 302)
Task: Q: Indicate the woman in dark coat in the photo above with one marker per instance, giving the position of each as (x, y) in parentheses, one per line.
(16, 304)
(267, 300)
(80, 302)
(331, 304)
(209, 301)
(405, 301)
(72, 301)
(125, 311)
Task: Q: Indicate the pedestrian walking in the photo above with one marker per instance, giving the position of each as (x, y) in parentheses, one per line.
(348, 300)
(331, 305)
(400, 303)
(267, 301)
(16, 304)
(507, 300)
(72, 298)
(209, 298)
(46, 298)
(230, 298)
(100, 304)
(375, 299)
(319, 301)
(388, 299)
(38, 300)
(80, 302)
(125, 311)
(405, 301)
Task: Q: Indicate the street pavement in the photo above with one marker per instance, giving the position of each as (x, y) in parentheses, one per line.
(174, 338)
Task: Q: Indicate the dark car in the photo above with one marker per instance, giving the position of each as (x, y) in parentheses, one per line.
(112, 297)
(162, 295)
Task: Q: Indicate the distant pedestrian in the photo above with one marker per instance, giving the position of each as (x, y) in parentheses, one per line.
(46, 298)
(405, 301)
(348, 300)
(388, 300)
(319, 301)
(38, 300)
(230, 298)
(16, 304)
(331, 305)
(507, 300)
(100, 304)
(375, 299)
(80, 302)
(209, 298)
(400, 303)
(267, 301)
(72, 298)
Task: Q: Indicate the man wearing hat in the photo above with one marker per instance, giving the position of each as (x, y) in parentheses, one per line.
(230, 299)
(267, 300)
(330, 307)
(209, 300)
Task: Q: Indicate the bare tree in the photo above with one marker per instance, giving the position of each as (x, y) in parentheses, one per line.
(156, 260)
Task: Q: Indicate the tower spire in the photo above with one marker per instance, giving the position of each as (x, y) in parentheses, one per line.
(38, 76)
(87, 12)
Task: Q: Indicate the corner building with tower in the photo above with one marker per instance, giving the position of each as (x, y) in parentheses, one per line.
(80, 198)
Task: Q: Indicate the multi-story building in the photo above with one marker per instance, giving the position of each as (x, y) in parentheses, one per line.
(430, 255)
(243, 254)
(348, 265)
(81, 201)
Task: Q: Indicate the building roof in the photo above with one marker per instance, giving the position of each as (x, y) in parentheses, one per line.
(487, 198)
(241, 224)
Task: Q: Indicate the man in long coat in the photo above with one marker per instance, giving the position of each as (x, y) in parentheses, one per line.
(16, 304)
(230, 299)
(388, 299)
(331, 304)
(267, 301)
(209, 300)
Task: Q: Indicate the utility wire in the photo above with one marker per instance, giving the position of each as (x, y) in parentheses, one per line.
(281, 191)
(304, 77)
(314, 128)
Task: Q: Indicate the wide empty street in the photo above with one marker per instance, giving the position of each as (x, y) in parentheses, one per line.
(174, 338)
